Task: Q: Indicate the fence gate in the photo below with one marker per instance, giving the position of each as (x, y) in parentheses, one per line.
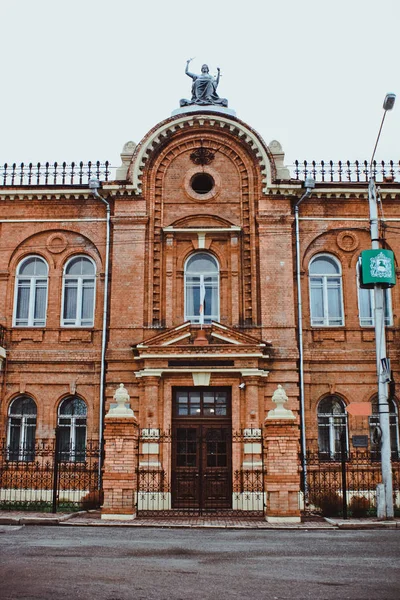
(200, 468)
(43, 476)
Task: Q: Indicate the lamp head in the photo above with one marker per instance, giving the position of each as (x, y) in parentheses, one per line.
(389, 101)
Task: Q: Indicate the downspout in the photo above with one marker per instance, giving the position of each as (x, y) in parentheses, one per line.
(94, 185)
(309, 185)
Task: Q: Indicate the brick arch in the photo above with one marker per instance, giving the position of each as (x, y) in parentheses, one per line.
(250, 189)
(164, 131)
(24, 249)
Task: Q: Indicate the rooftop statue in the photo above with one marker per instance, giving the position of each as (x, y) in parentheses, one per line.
(204, 88)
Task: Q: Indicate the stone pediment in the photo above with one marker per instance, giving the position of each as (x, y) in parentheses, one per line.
(191, 339)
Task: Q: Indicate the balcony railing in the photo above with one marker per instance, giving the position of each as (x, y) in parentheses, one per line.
(50, 174)
(347, 171)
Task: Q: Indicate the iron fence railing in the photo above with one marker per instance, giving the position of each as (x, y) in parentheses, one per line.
(346, 171)
(50, 174)
(348, 487)
(40, 477)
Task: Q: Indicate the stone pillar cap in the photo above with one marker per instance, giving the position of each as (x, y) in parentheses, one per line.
(122, 408)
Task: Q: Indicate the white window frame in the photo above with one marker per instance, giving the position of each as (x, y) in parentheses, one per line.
(24, 454)
(326, 320)
(215, 289)
(369, 320)
(78, 321)
(333, 453)
(34, 285)
(73, 454)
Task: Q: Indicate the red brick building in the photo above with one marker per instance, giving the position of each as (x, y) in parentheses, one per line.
(197, 264)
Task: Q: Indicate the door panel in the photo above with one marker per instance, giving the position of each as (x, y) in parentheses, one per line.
(201, 470)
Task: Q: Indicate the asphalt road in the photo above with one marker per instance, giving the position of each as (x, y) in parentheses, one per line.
(196, 564)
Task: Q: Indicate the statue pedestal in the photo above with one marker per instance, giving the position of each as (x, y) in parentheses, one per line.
(203, 108)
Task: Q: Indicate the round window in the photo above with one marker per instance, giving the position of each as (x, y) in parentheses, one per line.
(202, 183)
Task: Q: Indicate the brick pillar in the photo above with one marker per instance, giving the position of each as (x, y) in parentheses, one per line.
(120, 460)
(282, 481)
(149, 405)
(252, 403)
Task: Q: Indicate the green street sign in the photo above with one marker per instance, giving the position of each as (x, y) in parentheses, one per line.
(377, 266)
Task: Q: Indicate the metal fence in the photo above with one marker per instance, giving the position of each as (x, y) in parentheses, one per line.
(42, 478)
(203, 473)
(348, 487)
(50, 174)
(347, 171)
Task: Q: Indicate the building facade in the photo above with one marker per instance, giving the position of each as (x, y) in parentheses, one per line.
(176, 277)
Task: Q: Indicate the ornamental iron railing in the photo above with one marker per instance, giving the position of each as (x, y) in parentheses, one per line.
(51, 174)
(42, 478)
(346, 171)
(200, 470)
(346, 486)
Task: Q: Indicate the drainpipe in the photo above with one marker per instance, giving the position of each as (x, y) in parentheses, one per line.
(94, 185)
(309, 184)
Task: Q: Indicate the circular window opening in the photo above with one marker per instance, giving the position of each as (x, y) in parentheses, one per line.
(202, 183)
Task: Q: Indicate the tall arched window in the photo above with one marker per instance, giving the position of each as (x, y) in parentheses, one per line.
(332, 424)
(72, 417)
(393, 425)
(201, 283)
(326, 298)
(31, 293)
(366, 304)
(79, 292)
(21, 429)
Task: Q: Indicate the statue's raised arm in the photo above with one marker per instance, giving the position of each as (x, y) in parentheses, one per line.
(192, 75)
(204, 88)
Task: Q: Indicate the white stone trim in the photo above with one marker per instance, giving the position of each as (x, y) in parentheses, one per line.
(279, 520)
(221, 337)
(177, 339)
(202, 355)
(244, 372)
(117, 517)
(200, 230)
(213, 120)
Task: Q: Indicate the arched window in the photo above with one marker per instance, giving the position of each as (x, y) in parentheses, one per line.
(332, 424)
(326, 299)
(31, 293)
(201, 288)
(393, 424)
(79, 292)
(21, 429)
(72, 417)
(366, 304)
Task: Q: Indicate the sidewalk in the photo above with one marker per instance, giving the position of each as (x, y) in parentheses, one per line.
(92, 519)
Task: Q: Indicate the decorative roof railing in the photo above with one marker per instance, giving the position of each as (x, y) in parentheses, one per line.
(43, 174)
(79, 173)
(346, 171)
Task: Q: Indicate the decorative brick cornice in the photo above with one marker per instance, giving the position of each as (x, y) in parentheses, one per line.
(158, 135)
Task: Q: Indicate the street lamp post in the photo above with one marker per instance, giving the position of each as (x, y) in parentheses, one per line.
(385, 511)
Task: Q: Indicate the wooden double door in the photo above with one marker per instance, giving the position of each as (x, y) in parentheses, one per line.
(202, 451)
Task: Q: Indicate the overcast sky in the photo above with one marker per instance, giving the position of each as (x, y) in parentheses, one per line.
(80, 78)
